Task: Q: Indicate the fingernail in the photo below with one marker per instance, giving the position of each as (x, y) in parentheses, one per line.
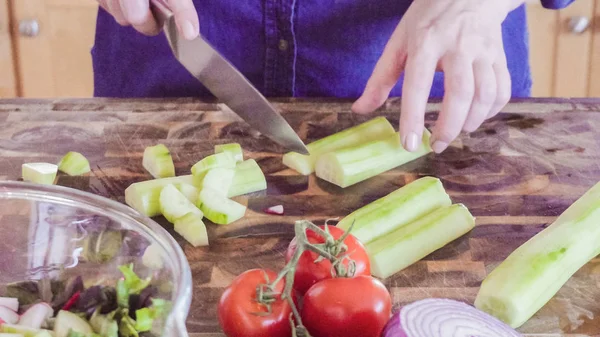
(439, 146)
(189, 32)
(411, 142)
(134, 10)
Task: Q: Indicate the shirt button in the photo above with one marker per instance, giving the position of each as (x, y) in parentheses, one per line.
(283, 45)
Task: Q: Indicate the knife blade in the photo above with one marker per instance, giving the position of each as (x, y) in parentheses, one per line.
(226, 83)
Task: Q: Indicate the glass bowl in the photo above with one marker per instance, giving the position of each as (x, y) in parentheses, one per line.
(52, 234)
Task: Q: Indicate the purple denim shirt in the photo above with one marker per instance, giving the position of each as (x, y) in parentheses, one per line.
(301, 48)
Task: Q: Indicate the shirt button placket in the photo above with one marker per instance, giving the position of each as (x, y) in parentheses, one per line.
(279, 55)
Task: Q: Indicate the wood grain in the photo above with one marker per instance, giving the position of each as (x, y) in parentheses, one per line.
(8, 86)
(516, 174)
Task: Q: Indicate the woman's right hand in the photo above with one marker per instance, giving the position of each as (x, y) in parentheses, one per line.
(136, 13)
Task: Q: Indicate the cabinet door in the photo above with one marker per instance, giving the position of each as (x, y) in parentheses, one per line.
(561, 49)
(53, 41)
(8, 86)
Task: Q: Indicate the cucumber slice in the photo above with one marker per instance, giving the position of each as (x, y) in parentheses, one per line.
(223, 159)
(158, 162)
(144, 196)
(66, 321)
(410, 243)
(376, 128)
(190, 191)
(248, 178)
(174, 205)
(74, 164)
(39, 173)
(349, 166)
(219, 209)
(219, 179)
(234, 149)
(19, 330)
(396, 209)
(104, 326)
(192, 228)
(530, 276)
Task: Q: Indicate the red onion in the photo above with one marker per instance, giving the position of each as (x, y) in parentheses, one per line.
(275, 210)
(438, 317)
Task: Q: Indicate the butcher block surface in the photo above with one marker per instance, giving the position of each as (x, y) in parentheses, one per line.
(516, 174)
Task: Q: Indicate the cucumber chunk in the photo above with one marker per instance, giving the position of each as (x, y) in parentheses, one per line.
(158, 162)
(219, 209)
(67, 321)
(349, 166)
(223, 159)
(408, 244)
(22, 330)
(39, 173)
(103, 325)
(193, 229)
(144, 196)
(174, 205)
(219, 179)
(396, 209)
(376, 128)
(248, 178)
(529, 277)
(190, 191)
(74, 164)
(234, 149)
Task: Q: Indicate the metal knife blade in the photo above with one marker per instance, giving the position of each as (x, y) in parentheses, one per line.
(225, 82)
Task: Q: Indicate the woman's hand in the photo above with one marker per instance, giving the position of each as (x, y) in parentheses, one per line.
(464, 39)
(137, 14)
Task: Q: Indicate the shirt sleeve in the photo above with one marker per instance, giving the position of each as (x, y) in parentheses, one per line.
(556, 4)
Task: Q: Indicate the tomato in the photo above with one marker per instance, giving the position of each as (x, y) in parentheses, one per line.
(240, 314)
(347, 307)
(308, 272)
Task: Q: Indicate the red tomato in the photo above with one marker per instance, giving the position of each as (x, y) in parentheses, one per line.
(347, 307)
(238, 308)
(308, 272)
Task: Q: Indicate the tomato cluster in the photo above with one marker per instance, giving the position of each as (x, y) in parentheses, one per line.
(355, 305)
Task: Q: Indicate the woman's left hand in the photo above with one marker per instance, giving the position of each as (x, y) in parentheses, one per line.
(463, 38)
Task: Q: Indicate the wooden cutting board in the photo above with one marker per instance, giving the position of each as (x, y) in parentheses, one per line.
(516, 174)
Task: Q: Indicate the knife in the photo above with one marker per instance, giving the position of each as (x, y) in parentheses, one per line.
(224, 81)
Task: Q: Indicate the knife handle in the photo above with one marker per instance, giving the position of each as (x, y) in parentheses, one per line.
(161, 11)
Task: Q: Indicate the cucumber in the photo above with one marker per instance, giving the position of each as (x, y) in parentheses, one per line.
(223, 159)
(11, 335)
(66, 321)
(74, 164)
(190, 191)
(219, 179)
(349, 166)
(409, 243)
(396, 209)
(529, 277)
(144, 196)
(192, 229)
(234, 149)
(39, 173)
(158, 162)
(219, 209)
(22, 330)
(248, 178)
(174, 205)
(103, 325)
(376, 128)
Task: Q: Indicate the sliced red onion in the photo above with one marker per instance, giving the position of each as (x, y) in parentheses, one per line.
(438, 317)
(8, 316)
(276, 210)
(36, 315)
(10, 302)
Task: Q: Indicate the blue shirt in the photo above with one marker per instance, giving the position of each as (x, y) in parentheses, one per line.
(302, 48)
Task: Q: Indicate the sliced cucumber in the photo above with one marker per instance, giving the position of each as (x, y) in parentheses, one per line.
(19, 330)
(219, 179)
(39, 173)
(192, 228)
(234, 149)
(530, 276)
(74, 164)
(248, 178)
(396, 209)
(223, 159)
(67, 321)
(349, 166)
(174, 205)
(219, 209)
(103, 325)
(190, 191)
(410, 243)
(144, 196)
(376, 128)
(158, 162)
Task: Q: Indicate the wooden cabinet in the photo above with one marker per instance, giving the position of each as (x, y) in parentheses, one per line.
(45, 48)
